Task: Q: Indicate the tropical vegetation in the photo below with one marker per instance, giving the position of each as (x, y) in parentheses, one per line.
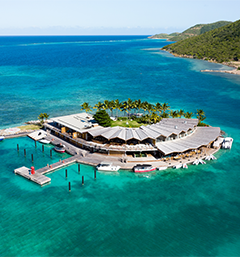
(192, 31)
(135, 113)
(43, 117)
(220, 45)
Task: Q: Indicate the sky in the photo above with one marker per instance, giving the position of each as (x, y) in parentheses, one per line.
(110, 17)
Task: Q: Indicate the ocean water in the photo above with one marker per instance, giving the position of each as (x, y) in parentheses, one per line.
(171, 213)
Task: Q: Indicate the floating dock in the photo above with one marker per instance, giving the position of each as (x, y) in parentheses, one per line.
(37, 177)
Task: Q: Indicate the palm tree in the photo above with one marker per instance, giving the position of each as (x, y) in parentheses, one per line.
(117, 105)
(201, 115)
(188, 115)
(85, 106)
(111, 107)
(174, 114)
(106, 105)
(155, 118)
(144, 106)
(165, 115)
(180, 113)
(165, 107)
(98, 106)
(130, 104)
(158, 108)
(138, 104)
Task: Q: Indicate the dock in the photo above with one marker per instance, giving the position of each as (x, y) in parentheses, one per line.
(37, 177)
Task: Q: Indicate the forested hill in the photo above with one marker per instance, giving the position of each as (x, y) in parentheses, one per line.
(193, 31)
(221, 45)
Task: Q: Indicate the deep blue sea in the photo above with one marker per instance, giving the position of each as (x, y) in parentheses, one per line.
(173, 213)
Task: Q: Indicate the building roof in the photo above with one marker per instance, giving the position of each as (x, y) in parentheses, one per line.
(77, 122)
(201, 137)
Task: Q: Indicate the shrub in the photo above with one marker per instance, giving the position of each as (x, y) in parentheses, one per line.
(102, 118)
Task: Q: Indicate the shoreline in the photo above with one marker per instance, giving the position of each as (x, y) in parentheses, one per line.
(234, 65)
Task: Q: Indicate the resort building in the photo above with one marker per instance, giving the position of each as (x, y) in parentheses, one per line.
(170, 136)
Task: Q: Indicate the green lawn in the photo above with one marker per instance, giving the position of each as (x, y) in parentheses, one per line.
(131, 124)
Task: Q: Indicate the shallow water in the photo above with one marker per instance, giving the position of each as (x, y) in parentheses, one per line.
(192, 212)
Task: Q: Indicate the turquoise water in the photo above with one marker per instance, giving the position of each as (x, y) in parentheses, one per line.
(172, 213)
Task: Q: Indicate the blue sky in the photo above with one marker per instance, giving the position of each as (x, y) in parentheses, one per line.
(111, 16)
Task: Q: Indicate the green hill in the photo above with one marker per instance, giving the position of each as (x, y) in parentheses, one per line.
(193, 31)
(221, 44)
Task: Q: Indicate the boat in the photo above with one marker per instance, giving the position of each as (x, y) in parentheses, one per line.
(107, 166)
(196, 162)
(210, 157)
(1, 138)
(227, 143)
(201, 161)
(60, 148)
(143, 168)
(44, 141)
(184, 166)
(162, 168)
(178, 166)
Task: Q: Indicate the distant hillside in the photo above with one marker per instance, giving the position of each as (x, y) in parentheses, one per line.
(193, 31)
(221, 44)
(164, 35)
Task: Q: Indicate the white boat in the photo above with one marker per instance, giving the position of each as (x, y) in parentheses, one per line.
(44, 141)
(227, 143)
(184, 166)
(107, 166)
(201, 161)
(178, 166)
(210, 157)
(196, 162)
(162, 168)
(143, 168)
(1, 138)
(60, 148)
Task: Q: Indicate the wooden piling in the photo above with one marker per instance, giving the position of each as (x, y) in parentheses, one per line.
(66, 173)
(25, 152)
(82, 180)
(69, 186)
(79, 168)
(32, 157)
(95, 174)
(51, 153)
(43, 148)
(18, 147)
(35, 144)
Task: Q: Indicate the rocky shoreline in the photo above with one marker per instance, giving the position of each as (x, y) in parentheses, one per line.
(236, 71)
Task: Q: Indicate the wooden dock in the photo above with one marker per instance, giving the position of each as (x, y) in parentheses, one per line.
(37, 177)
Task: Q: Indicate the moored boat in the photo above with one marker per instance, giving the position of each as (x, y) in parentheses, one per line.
(162, 168)
(60, 148)
(107, 166)
(227, 143)
(201, 161)
(1, 138)
(196, 162)
(44, 141)
(143, 168)
(184, 166)
(178, 166)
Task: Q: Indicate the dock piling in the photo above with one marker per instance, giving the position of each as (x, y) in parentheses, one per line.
(32, 157)
(82, 180)
(51, 153)
(35, 144)
(69, 186)
(25, 152)
(79, 168)
(18, 147)
(43, 148)
(66, 173)
(95, 174)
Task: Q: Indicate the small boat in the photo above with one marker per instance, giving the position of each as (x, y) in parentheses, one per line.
(44, 141)
(1, 138)
(227, 143)
(210, 157)
(196, 162)
(201, 161)
(184, 166)
(178, 166)
(143, 168)
(60, 148)
(107, 166)
(162, 168)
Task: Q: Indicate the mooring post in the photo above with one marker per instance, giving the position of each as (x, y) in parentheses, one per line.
(35, 144)
(95, 174)
(18, 147)
(32, 157)
(25, 152)
(79, 168)
(69, 186)
(43, 148)
(82, 180)
(51, 153)
(66, 173)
